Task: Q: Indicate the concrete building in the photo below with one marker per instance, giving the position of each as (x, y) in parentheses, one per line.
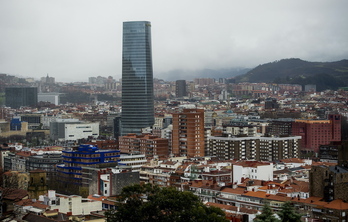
(72, 130)
(329, 182)
(37, 184)
(253, 148)
(21, 96)
(133, 162)
(252, 170)
(188, 133)
(70, 179)
(109, 181)
(180, 88)
(279, 127)
(239, 130)
(44, 161)
(72, 204)
(34, 120)
(16, 161)
(137, 78)
(53, 98)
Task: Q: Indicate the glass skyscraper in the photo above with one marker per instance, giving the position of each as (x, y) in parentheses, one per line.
(137, 78)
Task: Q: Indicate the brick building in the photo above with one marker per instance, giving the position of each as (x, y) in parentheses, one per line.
(188, 133)
(317, 132)
(147, 144)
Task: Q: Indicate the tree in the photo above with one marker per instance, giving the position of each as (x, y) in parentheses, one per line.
(266, 215)
(288, 213)
(152, 203)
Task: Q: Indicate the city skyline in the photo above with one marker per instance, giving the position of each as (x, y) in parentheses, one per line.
(72, 40)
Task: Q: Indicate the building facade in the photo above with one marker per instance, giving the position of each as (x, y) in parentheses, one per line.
(188, 133)
(149, 145)
(329, 182)
(180, 88)
(253, 148)
(317, 132)
(46, 162)
(53, 98)
(70, 179)
(34, 120)
(72, 130)
(21, 96)
(137, 77)
(279, 127)
(110, 181)
(73, 204)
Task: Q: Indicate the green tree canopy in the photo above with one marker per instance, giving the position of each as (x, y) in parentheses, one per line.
(152, 203)
(266, 215)
(288, 213)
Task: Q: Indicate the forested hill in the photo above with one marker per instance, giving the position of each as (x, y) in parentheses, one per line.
(326, 75)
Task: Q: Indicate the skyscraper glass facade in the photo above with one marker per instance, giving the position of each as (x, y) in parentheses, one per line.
(137, 78)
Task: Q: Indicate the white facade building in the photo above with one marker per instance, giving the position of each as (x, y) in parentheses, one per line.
(49, 97)
(73, 203)
(133, 161)
(73, 130)
(258, 171)
(80, 131)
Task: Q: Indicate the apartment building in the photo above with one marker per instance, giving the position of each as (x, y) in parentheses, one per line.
(69, 174)
(188, 133)
(253, 148)
(149, 145)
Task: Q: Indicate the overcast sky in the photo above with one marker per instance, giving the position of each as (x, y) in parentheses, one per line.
(72, 40)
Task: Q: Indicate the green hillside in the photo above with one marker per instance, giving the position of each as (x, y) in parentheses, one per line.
(326, 75)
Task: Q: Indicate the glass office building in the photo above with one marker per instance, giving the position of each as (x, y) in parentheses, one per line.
(137, 78)
(16, 97)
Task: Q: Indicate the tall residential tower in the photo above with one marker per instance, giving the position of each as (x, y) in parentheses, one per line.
(180, 88)
(137, 78)
(188, 133)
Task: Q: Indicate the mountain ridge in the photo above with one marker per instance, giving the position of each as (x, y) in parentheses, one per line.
(326, 75)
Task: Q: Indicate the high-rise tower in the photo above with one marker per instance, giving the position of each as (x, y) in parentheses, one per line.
(137, 78)
(188, 133)
(180, 88)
